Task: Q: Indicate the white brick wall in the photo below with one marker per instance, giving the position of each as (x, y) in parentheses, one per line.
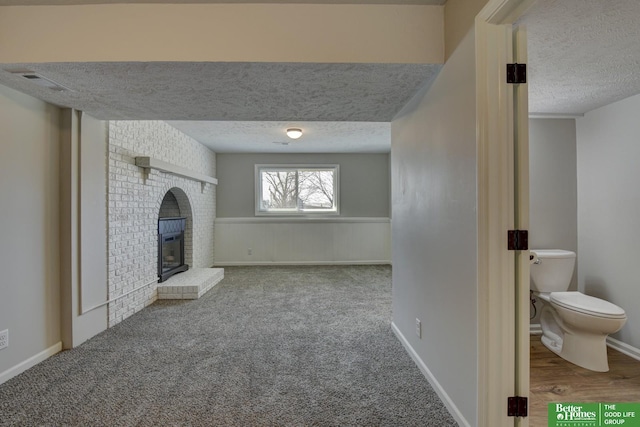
(134, 199)
(169, 207)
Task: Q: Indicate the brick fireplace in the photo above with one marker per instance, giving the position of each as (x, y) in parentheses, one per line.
(135, 198)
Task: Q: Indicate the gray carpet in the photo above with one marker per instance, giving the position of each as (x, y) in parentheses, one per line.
(268, 346)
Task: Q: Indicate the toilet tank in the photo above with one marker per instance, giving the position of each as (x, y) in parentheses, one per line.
(554, 272)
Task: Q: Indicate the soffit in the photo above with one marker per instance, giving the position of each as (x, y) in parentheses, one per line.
(227, 91)
(239, 107)
(350, 105)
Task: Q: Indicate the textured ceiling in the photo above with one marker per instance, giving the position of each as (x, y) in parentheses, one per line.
(228, 91)
(583, 54)
(268, 137)
(365, 96)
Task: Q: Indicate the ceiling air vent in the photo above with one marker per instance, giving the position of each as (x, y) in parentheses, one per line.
(39, 80)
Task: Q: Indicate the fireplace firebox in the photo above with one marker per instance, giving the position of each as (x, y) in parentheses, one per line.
(171, 247)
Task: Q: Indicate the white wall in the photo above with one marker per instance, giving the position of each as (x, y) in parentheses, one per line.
(434, 227)
(553, 206)
(609, 209)
(29, 214)
(360, 234)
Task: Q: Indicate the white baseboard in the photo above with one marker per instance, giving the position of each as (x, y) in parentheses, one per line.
(629, 350)
(624, 348)
(30, 362)
(258, 263)
(451, 406)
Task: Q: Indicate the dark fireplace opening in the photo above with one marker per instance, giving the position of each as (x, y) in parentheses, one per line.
(171, 247)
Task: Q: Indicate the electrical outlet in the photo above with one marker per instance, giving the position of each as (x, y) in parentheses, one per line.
(418, 328)
(249, 251)
(4, 339)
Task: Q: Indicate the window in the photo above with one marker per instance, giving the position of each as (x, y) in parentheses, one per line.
(296, 189)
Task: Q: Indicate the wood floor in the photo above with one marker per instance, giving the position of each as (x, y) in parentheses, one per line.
(555, 380)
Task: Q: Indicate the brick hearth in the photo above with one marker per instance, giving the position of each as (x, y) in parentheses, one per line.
(191, 284)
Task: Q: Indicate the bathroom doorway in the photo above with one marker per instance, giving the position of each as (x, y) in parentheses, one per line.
(562, 172)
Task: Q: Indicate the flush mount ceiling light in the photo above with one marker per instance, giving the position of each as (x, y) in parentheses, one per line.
(294, 133)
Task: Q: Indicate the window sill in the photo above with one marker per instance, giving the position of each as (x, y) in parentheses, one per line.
(304, 219)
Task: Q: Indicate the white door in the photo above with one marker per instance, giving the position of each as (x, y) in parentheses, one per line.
(521, 214)
(503, 274)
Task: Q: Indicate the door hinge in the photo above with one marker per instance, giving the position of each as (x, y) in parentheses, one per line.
(517, 406)
(516, 73)
(518, 240)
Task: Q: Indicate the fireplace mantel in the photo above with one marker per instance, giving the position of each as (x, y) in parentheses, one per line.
(151, 163)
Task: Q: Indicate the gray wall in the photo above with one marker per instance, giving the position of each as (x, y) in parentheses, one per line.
(434, 228)
(553, 206)
(364, 182)
(609, 208)
(29, 214)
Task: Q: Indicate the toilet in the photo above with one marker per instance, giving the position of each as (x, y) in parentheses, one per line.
(575, 326)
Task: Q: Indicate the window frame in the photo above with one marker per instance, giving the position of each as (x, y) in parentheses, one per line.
(296, 167)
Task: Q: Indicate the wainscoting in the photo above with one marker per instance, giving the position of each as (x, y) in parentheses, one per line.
(287, 241)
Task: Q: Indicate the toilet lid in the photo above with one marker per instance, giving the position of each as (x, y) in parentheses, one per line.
(582, 303)
(553, 253)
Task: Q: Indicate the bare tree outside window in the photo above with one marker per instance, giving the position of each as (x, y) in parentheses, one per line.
(281, 188)
(316, 189)
(291, 190)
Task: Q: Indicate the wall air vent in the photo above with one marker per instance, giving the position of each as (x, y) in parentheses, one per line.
(39, 80)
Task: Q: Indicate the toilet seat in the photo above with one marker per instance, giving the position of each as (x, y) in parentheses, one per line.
(581, 303)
